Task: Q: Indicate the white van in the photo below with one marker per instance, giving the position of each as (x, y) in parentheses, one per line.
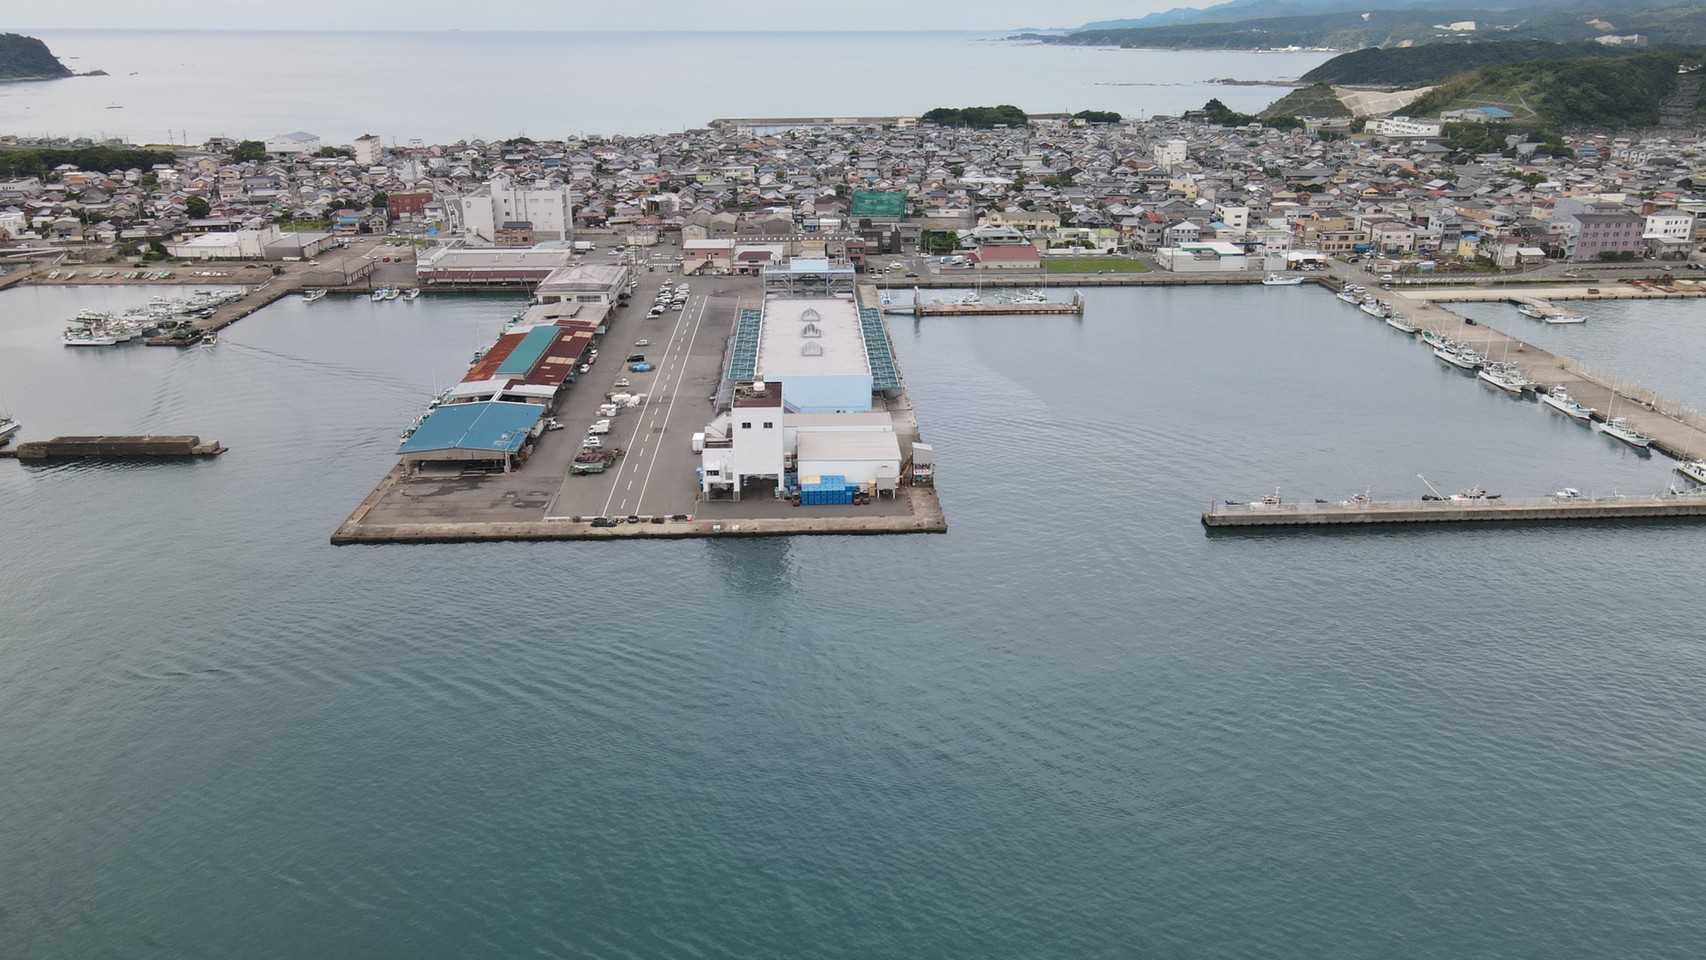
(599, 427)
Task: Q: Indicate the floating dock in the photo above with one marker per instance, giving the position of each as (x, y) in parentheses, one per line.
(116, 448)
(1074, 307)
(1379, 513)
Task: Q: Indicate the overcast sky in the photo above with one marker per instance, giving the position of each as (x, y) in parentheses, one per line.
(576, 14)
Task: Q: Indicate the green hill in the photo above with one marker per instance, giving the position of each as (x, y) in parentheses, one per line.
(1315, 100)
(1587, 91)
(26, 58)
(1680, 22)
(1405, 67)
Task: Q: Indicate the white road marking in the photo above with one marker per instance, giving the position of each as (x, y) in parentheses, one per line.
(675, 336)
(671, 409)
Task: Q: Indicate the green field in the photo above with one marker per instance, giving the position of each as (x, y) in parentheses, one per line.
(1092, 265)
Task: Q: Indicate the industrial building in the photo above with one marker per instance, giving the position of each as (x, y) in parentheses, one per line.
(811, 370)
(488, 265)
(490, 435)
(489, 420)
(548, 208)
(596, 283)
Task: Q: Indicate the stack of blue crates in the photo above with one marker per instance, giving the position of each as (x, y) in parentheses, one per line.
(828, 492)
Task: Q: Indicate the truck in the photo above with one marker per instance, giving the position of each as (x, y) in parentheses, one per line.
(607, 409)
(593, 461)
(698, 443)
(599, 427)
(582, 246)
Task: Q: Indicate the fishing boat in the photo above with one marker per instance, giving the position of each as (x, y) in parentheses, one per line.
(9, 426)
(1530, 310)
(1692, 469)
(1396, 321)
(1620, 428)
(413, 293)
(1562, 317)
(393, 294)
(1351, 295)
(1505, 376)
(1374, 308)
(1560, 400)
(1462, 357)
(209, 340)
(1434, 339)
(310, 296)
(379, 294)
(1275, 280)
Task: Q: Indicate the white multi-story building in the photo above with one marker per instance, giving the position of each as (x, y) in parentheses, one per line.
(293, 144)
(368, 150)
(548, 207)
(1669, 225)
(1403, 128)
(1171, 153)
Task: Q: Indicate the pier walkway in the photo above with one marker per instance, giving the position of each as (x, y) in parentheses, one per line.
(1353, 513)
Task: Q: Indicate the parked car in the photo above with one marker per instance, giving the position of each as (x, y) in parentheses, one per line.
(603, 522)
(642, 343)
(591, 443)
(636, 358)
(641, 368)
(621, 383)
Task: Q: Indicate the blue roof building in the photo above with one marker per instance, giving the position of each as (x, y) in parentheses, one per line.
(493, 431)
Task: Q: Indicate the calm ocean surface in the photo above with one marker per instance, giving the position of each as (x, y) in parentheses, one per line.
(444, 87)
(1073, 726)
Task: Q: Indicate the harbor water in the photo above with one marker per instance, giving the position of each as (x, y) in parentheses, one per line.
(1075, 725)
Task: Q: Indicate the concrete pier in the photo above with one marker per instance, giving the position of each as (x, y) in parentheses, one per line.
(1354, 514)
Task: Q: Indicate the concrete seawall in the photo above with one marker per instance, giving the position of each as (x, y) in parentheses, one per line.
(1351, 514)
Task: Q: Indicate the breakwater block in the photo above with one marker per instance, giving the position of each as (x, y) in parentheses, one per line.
(118, 448)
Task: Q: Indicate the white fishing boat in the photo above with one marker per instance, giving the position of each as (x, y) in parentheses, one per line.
(1374, 308)
(1505, 376)
(1351, 295)
(1620, 428)
(413, 293)
(1275, 280)
(1396, 321)
(1462, 357)
(311, 296)
(380, 294)
(393, 294)
(1562, 317)
(1560, 400)
(1692, 469)
(1530, 310)
(9, 426)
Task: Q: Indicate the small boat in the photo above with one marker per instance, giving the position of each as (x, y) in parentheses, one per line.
(1556, 318)
(8, 426)
(1396, 321)
(1464, 358)
(1560, 400)
(1530, 310)
(312, 295)
(1433, 339)
(210, 340)
(1473, 493)
(380, 294)
(1505, 376)
(1350, 295)
(393, 294)
(1374, 308)
(89, 338)
(1692, 469)
(1275, 280)
(413, 293)
(1621, 429)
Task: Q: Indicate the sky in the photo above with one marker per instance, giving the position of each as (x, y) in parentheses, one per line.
(531, 15)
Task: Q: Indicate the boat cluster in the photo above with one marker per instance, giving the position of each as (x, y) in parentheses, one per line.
(100, 328)
(1548, 314)
(392, 293)
(1508, 377)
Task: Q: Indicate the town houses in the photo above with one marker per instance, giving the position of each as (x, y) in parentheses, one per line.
(739, 195)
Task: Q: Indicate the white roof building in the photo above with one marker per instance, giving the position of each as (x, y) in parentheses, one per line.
(815, 347)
